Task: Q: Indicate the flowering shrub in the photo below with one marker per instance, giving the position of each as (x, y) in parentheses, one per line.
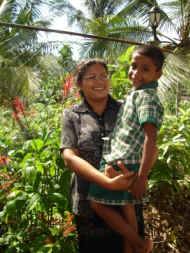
(68, 226)
(68, 85)
(4, 160)
(34, 213)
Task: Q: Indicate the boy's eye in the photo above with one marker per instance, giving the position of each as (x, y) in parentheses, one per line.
(145, 69)
(133, 66)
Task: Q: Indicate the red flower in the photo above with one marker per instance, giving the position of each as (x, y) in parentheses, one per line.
(5, 175)
(68, 85)
(18, 111)
(7, 184)
(16, 116)
(4, 160)
(18, 105)
(68, 226)
(68, 230)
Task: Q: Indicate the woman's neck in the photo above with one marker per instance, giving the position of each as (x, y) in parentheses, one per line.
(98, 106)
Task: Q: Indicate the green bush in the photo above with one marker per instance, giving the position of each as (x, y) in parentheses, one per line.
(34, 183)
(173, 165)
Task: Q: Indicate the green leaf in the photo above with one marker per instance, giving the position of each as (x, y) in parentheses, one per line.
(58, 198)
(126, 57)
(37, 144)
(29, 174)
(37, 181)
(34, 201)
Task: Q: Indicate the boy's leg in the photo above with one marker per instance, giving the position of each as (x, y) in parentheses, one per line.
(130, 216)
(117, 222)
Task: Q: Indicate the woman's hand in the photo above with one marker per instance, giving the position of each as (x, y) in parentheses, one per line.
(111, 172)
(120, 180)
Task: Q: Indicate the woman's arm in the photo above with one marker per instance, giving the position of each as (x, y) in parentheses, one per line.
(91, 174)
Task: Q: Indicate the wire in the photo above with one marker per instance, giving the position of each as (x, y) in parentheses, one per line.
(69, 33)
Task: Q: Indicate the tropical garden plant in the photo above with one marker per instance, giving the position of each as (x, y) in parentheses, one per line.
(34, 213)
(17, 56)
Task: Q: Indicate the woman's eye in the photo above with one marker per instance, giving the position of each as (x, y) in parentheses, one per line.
(92, 77)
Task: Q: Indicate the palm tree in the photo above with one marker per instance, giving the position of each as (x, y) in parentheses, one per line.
(130, 20)
(17, 57)
(175, 21)
(174, 36)
(103, 19)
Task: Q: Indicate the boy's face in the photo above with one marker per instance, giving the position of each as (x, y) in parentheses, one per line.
(143, 70)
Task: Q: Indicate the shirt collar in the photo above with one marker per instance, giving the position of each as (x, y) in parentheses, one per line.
(151, 85)
(85, 107)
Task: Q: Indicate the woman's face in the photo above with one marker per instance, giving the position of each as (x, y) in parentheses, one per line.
(95, 83)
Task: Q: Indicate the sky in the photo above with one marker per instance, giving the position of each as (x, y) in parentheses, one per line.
(60, 23)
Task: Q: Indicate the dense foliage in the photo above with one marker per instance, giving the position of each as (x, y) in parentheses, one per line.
(34, 213)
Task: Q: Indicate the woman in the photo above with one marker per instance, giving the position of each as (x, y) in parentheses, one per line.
(84, 127)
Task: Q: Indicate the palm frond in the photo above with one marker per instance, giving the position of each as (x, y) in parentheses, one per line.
(176, 73)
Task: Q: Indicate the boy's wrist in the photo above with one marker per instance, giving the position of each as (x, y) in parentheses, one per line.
(143, 175)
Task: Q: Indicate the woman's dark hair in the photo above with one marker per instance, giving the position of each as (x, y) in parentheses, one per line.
(84, 65)
(153, 52)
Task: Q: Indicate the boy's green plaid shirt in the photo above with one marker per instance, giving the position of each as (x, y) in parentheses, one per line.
(142, 105)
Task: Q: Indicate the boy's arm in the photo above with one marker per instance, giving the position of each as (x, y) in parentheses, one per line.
(148, 158)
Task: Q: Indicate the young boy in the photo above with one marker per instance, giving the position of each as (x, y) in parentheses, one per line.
(133, 141)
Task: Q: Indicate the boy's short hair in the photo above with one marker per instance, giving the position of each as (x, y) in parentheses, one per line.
(153, 52)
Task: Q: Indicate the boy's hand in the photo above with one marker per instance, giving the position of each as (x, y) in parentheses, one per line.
(138, 189)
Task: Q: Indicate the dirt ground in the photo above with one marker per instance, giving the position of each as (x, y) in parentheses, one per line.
(167, 219)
